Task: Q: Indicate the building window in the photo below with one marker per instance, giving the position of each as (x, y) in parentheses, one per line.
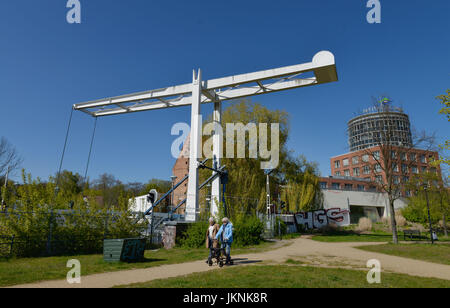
(348, 187)
(413, 156)
(355, 160)
(323, 185)
(405, 179)
(393, 155)
(376, 155)
(336, 186)
(346, 172)
(356, 172)
(403, 156)
(395, 167)
(337, 173)
(424, 169)
(337, 164)
(404, 168)
(361, 187)
(377, 168)
(414, 169)
(396, 180)
(366, 170)
(423, 159)
(345, 162)
(379, 179)
(365, 158)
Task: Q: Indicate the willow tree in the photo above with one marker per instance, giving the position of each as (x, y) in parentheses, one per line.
(246, 189)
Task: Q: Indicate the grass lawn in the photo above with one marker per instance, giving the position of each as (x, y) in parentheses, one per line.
(283, 276)
(353, 237)
(425, 252)
(20, 271)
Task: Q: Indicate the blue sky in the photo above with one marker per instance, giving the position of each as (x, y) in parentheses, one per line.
(46, 65)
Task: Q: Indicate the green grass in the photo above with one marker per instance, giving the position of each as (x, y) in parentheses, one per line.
(377, 236)
(353, 237)
(284, 276)
(425, 252)
(21, 271)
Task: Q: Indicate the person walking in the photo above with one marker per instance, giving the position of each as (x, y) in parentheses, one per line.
(225, 235)
(211, 233)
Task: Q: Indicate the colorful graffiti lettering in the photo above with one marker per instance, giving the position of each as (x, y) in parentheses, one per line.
(322, 218)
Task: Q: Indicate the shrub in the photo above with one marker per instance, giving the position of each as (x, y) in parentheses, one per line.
(401, 221)
(365, 224)
(194, 236)
(248, 231)
(280, 227)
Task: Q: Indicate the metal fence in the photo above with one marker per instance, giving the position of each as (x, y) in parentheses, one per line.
(57, 233)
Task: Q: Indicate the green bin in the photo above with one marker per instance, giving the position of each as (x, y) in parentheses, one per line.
(124, 250)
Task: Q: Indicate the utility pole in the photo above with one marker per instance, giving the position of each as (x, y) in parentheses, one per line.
(425, 186)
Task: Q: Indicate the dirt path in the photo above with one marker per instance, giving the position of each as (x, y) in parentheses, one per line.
(307, 251)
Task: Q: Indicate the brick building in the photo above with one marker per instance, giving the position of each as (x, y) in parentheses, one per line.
(180, 170)
(383, 124)
(361, 164)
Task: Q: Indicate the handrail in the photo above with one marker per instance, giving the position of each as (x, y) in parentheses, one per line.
(169, 192)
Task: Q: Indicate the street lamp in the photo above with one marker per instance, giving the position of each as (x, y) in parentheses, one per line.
(425, 187)
(173, 178)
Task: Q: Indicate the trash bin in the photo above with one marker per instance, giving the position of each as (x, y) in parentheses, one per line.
(124, 250)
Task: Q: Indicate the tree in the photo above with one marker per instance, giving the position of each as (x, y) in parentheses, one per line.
(110, 188)
(438, 197)
(9, 158)
(445, 101)
(246, 189)
(392, 159)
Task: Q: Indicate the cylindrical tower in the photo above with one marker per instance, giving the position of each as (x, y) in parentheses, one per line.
(378, 125)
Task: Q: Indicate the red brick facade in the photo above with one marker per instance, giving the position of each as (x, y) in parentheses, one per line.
(361, 164)
(180, 170)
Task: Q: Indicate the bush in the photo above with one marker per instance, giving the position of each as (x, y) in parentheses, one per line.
(280, 227)
(365, 224)
(194, 236)
(44, 231)
(401, 221)
(248, 231)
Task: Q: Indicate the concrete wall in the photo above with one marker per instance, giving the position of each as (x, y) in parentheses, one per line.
(344, 199)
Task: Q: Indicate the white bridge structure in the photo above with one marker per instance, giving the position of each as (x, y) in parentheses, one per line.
(322, 69)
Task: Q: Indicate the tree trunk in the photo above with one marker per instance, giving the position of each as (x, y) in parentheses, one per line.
(445, 224)
(393, 222)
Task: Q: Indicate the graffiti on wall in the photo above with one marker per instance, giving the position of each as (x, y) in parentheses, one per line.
(322, 218)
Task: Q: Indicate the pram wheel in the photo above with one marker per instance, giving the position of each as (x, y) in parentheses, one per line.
(221, 263)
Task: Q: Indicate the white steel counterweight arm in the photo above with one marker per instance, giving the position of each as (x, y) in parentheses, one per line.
(216, 90)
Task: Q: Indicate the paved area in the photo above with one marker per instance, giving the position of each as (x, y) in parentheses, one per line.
(343, 255)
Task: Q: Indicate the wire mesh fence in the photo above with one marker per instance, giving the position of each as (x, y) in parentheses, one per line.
(65, 232)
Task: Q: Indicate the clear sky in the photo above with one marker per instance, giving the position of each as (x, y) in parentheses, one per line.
(46, 65)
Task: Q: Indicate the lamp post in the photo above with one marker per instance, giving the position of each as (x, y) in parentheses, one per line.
(172, 178)
(425, 187)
